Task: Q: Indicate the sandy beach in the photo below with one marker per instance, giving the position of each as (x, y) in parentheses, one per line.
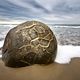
(40, 72)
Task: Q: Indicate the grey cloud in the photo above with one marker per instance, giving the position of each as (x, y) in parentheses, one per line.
(68, 8)
(61, 6)
(38, 9)
(12, 10)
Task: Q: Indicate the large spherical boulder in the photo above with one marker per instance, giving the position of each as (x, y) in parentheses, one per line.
(29, 43)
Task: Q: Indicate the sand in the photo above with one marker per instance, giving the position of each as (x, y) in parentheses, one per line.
(40, 72)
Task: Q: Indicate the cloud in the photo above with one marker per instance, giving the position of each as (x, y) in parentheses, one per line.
(46, 10)
(65, 6)
(17, 8)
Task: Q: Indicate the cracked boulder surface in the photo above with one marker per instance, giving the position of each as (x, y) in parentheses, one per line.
(29, 43)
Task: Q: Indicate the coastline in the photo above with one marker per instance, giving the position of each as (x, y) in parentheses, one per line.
(53, 71)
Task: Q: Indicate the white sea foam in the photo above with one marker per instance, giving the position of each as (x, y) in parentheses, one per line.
(57, 26)
(66, 52)
(0, 56)
(1, 43)
(0, 53)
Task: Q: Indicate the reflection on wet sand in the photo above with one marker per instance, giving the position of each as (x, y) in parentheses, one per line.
(40, 72)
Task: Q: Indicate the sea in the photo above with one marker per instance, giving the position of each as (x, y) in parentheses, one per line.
(68, 39)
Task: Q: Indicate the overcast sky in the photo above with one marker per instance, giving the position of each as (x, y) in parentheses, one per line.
(49, 11)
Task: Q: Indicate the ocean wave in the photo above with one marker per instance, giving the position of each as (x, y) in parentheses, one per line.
(66, 52)
(65, 37)
(65, 26)
(1, 43)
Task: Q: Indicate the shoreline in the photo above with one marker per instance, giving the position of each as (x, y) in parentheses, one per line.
(53, 71)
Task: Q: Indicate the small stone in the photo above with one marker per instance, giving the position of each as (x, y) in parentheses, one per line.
(29, 43)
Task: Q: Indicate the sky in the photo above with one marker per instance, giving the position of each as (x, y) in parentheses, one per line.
(49, 11)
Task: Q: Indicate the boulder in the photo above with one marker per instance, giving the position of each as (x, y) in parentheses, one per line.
(29, 43)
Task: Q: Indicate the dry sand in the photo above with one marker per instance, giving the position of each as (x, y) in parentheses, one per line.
(36, 72)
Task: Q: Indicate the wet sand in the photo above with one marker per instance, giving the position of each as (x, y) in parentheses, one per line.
(39, 72)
